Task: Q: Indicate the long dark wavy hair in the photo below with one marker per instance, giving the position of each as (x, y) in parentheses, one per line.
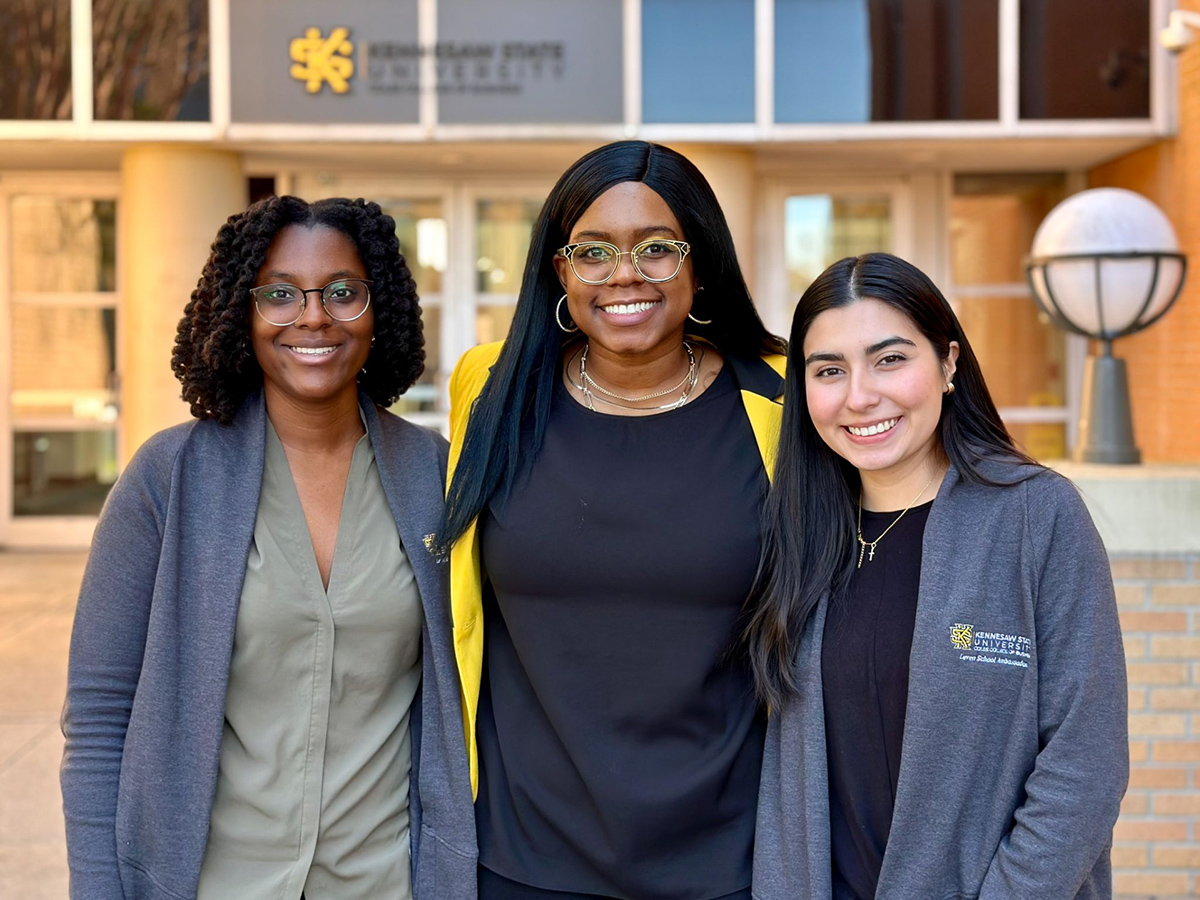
(813, 484)
(520, 385)
(214, 359)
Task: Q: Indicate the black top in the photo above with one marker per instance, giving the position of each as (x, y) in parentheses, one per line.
(619, 751)
(864, 671)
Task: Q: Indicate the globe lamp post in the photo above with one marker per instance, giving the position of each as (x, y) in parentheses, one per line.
(1105, 263)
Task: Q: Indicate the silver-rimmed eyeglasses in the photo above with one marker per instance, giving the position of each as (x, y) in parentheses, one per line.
(283, 304)
(656, 259)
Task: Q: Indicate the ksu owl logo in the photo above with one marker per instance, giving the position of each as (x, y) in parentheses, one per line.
(961, 636)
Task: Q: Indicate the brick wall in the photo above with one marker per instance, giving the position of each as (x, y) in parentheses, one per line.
(1156, 844)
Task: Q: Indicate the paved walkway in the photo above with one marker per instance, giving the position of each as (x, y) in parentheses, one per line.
(37, 604)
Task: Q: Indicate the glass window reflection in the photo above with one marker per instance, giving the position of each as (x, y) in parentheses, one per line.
(64, 362)
(63, 245)
(698, 60)
(503, 228)
(150, 60)
(421, 230)
(993, 220)
(1076, 64)
(886, 60)
(35, 45)
(820, 229)
(62, 473)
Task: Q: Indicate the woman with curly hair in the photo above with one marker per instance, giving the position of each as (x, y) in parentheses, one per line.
(248, 641)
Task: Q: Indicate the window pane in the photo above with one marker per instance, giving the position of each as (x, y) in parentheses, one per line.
(423, 240)
(993, 220)
(1022, 355)
(886, 60)
(502, 242)
(63, 245)
(150, 59)
(35, 46)
(698, 60)
(1083, 59)
(62, 473)
(820, 229)
(64, 362)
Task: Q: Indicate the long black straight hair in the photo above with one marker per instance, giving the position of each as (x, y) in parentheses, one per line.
(809, 546)
(521, 382)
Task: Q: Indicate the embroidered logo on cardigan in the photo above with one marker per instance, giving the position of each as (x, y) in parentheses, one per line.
(991, 647)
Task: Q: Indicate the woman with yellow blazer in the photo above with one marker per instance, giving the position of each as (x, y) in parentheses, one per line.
(608, 467)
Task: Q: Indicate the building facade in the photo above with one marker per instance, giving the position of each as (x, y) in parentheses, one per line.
(940, 130)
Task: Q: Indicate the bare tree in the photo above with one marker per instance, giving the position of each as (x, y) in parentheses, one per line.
(35, 59)
(147, 56)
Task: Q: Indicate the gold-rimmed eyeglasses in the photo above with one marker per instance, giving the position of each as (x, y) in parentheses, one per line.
(655, 260)
(283, 304)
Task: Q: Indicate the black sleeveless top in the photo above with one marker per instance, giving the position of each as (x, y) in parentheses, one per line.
(619, 743)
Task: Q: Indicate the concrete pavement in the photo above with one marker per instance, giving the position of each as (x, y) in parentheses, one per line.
(37, 604)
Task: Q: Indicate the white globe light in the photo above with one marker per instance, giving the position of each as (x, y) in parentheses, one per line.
(1095, 223)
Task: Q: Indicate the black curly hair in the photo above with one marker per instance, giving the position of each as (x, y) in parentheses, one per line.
(214, 359)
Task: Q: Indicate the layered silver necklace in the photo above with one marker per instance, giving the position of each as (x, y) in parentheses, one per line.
(594, 392)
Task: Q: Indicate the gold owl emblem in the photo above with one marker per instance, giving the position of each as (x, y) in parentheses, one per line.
(962, 636)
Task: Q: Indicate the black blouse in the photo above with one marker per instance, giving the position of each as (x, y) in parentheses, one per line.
(864, 672)
(619, 746)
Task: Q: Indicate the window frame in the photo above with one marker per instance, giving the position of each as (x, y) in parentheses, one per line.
(1161, 123)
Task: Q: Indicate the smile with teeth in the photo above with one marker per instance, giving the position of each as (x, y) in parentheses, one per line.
(312, 351)
(877, 428)
(629, 309)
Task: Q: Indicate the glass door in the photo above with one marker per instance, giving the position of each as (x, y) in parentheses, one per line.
(501, 220)
(809, 226)
(1030, 364)
(465, 242)
(61, 409)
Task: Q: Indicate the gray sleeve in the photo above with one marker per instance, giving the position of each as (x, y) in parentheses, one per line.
(1074, 793)
(107, 644)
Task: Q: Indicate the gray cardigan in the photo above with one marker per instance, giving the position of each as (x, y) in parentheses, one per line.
(152, 641)
(1015, 753)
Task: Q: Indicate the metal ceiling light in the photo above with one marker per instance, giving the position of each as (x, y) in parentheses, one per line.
(1105, 263)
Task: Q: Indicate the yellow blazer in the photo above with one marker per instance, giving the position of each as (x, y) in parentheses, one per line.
(761, 384)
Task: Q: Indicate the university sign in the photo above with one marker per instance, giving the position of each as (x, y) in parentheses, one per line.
(521, 61)
(319, 61)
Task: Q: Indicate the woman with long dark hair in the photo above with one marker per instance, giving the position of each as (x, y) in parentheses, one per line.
(241, 716)
(933, 629)
(609, 463)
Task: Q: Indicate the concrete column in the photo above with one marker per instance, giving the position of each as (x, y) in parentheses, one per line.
(174, 197)
(730, 171)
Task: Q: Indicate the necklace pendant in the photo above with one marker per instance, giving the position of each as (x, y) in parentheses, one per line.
(872, 554)
(862, 548)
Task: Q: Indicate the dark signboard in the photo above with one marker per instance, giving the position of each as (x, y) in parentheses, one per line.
(359, 61)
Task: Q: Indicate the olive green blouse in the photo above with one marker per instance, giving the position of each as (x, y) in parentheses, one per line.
(312, 793)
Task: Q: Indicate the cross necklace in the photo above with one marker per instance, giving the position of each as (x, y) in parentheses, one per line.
(864, 545)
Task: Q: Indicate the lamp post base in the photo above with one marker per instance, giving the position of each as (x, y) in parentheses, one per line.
(1106, 421)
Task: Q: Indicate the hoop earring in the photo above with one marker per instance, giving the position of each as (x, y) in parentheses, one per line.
(949, 388)
(693, 318)
(558, 318)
